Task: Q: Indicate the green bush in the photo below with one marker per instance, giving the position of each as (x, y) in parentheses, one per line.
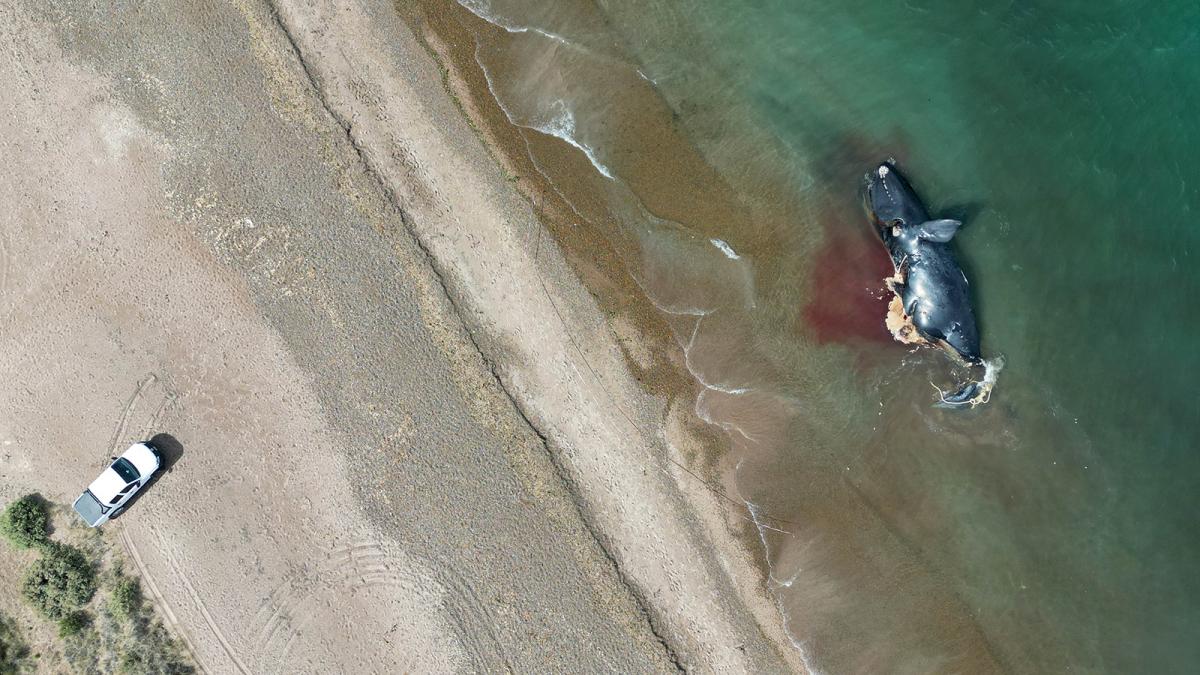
(126, 599)
(72, 623)
(59, 582)
(150, 650)
(131, 663)
(12, 648)
(24, 522)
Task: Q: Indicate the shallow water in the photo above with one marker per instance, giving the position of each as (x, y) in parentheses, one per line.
(1052, 529)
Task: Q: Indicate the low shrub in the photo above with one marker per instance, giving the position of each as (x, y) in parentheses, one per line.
(24, 522)
(60, 582)
(126, 599)
(72, 623)
(151, 650)
(13, 651)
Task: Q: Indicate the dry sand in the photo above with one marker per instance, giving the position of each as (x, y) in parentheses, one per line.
(410, 439)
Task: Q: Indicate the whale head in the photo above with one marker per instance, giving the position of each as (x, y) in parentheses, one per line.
(891, 201)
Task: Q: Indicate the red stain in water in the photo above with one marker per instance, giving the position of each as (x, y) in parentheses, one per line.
(848, 300)
(847, 297)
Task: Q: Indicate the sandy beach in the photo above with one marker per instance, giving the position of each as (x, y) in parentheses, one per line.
(413, 438)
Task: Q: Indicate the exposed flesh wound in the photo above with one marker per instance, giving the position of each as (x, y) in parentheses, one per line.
(898, 322)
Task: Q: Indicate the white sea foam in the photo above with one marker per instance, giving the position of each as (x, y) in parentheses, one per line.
(728, 427)
(755, 513)
(646, 77)
(991, 372)
(676, 311)
(687, 361)
(562, 126)
(725, 248)
(762, 528)
(481, 9)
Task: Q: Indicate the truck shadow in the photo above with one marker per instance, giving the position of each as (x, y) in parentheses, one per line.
(170, 451)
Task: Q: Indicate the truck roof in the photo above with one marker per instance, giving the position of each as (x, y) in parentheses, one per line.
(107, 485)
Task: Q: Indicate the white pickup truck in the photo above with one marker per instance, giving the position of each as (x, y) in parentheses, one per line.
(108, 495)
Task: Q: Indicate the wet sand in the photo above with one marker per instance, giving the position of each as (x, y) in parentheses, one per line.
(560, 184)
(412, 438)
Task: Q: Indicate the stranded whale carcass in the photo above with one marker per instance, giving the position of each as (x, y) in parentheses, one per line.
(932, 303)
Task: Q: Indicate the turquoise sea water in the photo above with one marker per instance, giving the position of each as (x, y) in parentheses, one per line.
(1056, 528)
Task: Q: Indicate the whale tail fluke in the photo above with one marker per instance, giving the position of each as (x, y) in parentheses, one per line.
(974, 392)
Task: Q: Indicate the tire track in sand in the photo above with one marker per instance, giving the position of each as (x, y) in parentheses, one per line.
(160, 601)
(200, 605)
(284, 615)
(344, 571)
(472, 621)
(4, 265)
(281, 600)
(169, 398)
(127, 412)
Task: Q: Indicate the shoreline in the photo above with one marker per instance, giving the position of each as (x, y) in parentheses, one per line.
(700, 466)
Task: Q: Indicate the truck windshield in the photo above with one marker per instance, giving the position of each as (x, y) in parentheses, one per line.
(125, 470)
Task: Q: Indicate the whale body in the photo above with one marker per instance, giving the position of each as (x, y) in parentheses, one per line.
(932, 304)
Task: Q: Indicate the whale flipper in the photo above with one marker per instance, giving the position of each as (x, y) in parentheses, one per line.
(940, 231)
